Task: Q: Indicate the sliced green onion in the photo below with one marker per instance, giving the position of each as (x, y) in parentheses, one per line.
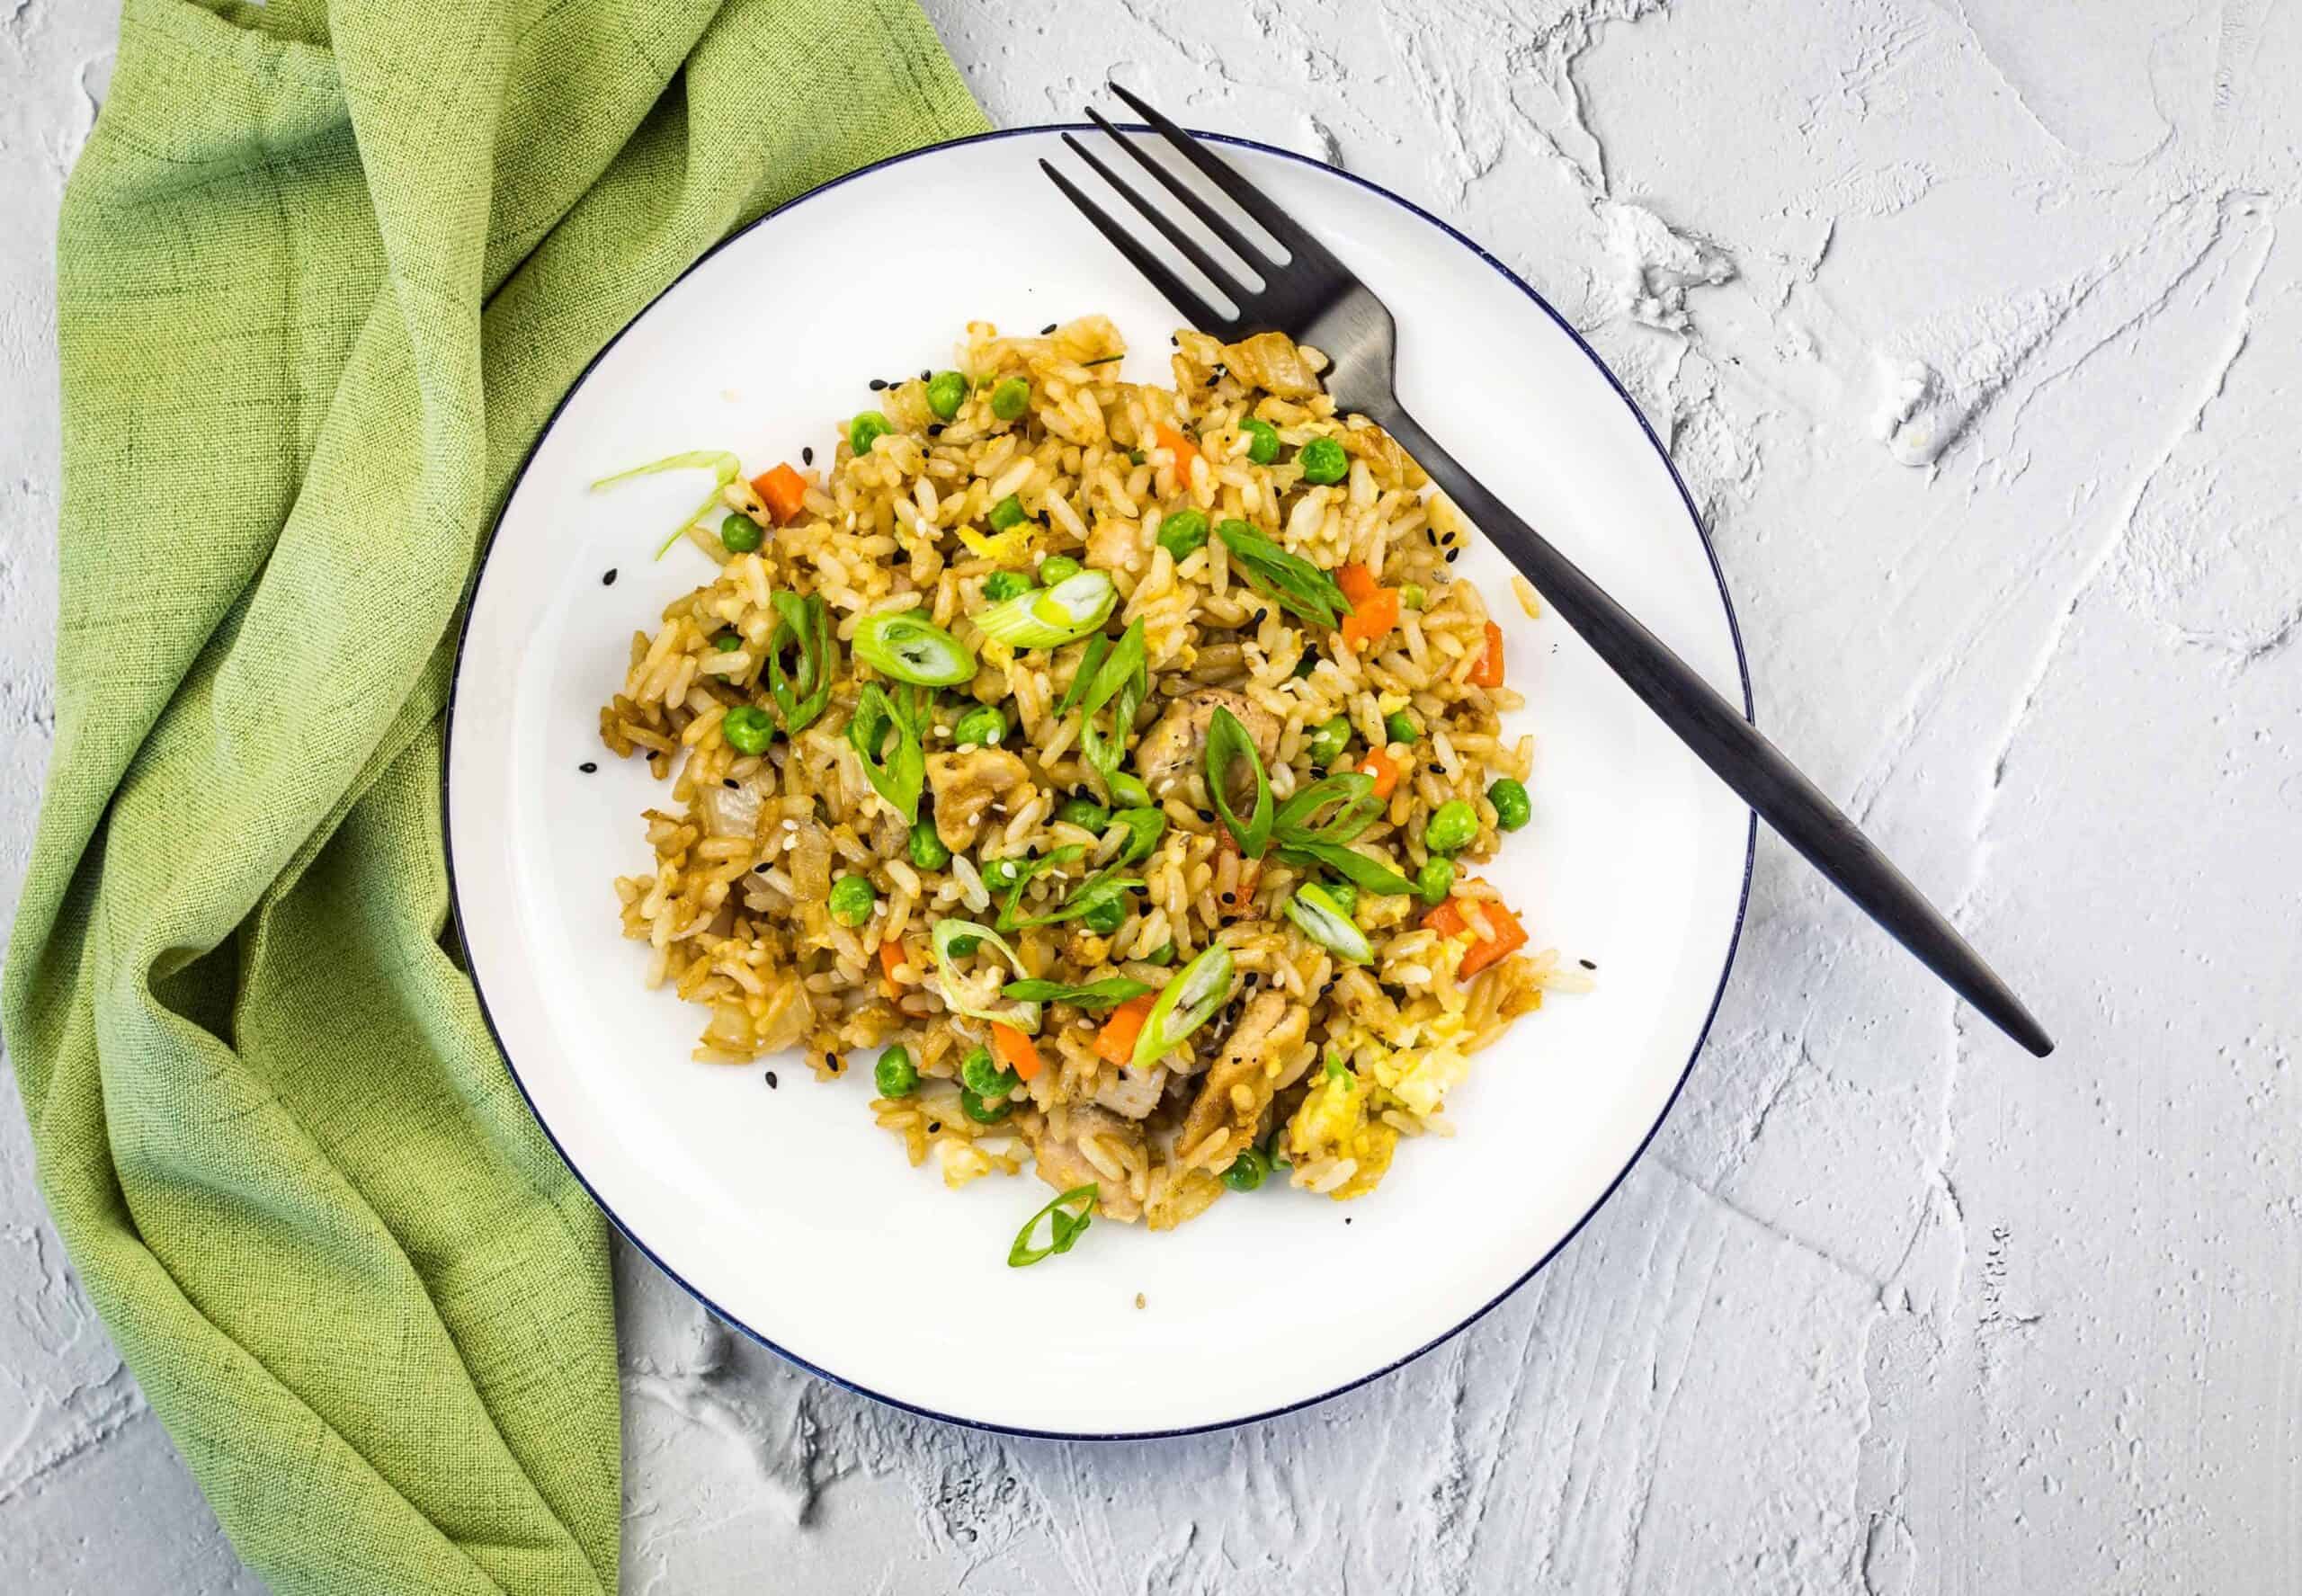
(1352, 792)
(1188, 1002)
(899, 774)
(1292, 583)
(1108, 888)
(1091, 660)
(1366, 874)
(805, 624)
(1011, 876)
(1067, 1218)
(1325, 923)
(1121, 681)
(911, 650)
(1054, 615)
(1227, 743)
(944, 941)
(724, 466)
(1095, 995)
(1144, 828)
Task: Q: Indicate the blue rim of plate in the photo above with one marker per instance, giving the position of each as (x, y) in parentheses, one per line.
(455, 897)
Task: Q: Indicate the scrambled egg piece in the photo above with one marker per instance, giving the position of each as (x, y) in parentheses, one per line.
(1333, 1123)
(1006, 547)
(1420, 1076)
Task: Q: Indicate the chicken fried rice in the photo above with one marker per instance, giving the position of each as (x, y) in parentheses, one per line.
(1097, 765)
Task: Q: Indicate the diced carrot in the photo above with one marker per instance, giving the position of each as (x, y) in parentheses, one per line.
(1115, 1043)
(892, 957)
(1504, 934)
(1379, 765)
(782, 489)
(1014, 1049)
(1489, 672)
(1185, 450)
(1370, 618)
(1357, 582)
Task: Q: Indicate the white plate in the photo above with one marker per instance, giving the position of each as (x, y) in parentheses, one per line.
(788, 1211)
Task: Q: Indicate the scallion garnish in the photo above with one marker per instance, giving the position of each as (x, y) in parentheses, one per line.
(1366, 874)
(1067, 1217)
(960, 997)
(1290, 581)
(1352, 793)
(1095, 995)
(1188, 1003)
(1228, 745)
(723, 466)
(1122, 681)
(912, 650)
(1324, 921)
(896, 773)
(1047, 618)
(805, 692)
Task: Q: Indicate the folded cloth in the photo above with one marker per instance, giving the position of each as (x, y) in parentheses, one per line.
(324, 272)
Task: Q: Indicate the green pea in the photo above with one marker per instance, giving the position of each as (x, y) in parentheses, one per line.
(1399, 727)
(726, 642)
(1144, 828)
(1324, 461)
(981, 1112)
(1164, 954)
(927, 849)
(1009, 398)
(1000, 874)
(1345, 894)
(852, 898)
(1007, 513)
(1412, 596)
(1057, 568)
(1136, 457)
(739, 534)
(1328, 741)
(868, 429)
(946, 392)
(983, 726)
(1264, 448)
(1435, 879)
(1452, 828)
(1002, 585)
(894, 1075)
(985, 1079)
(1247, 1171)
(1085, 813)
(1183, 534)
(1105, 916)
(1511, 809)
(962, 947)
(747, 730)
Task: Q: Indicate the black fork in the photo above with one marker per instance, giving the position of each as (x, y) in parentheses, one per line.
(1316, 300)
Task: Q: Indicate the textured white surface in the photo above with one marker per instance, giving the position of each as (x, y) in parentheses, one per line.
(1970, 326)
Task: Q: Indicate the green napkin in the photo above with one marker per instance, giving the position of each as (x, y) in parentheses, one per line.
(324, 272)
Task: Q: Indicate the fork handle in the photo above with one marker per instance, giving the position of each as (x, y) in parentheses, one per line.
(1724, 740)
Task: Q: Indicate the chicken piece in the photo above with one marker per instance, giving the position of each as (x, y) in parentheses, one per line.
(965, 785)
(1175, 747)
(1240, 1086)
(1132, 1093)
(1272, 362)
(1062, 1165)
(1114, 544)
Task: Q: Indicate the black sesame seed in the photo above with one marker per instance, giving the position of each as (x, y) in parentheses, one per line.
(1227, 899)
(934, 429)
(1346, 1218)
(729, 782)
(1451, 553)
(924, 374)
(1430, 537)
(609, 579)
(589, 767)
(807, 455)
(1047, 329)
(933, 1126)
(878, 383)
(1587, 964)
(1436, 770)
(771, 1080)
(1260, 614)
(1207, 816)
(1175, 341)
(761, 868)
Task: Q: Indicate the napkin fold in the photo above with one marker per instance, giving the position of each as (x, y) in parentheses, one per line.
(324, 272)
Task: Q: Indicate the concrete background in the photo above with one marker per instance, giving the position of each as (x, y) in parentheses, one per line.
(1971, 323)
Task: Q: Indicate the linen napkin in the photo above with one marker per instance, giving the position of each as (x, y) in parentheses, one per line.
(323, 270)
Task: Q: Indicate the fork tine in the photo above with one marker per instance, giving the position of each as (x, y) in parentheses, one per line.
(1196, 311)
(1213, 270)
(1221, 173)
(1217, 222)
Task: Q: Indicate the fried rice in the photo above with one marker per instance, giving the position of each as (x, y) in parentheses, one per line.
(794, 899)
